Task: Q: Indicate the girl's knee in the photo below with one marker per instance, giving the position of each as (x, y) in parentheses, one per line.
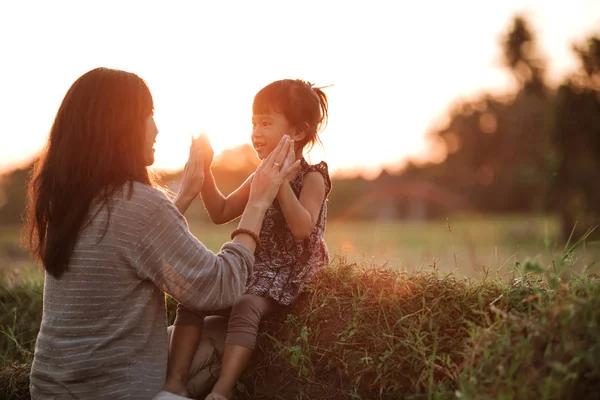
(250, 304)
(245, 319)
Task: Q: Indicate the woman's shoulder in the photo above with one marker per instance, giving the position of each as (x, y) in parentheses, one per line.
(146, 190)
(132, 207)
(139, 198)
(143, 193)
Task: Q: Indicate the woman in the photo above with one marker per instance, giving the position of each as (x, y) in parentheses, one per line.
(112, 244)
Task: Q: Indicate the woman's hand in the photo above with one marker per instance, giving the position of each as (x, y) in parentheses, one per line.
(266, 181)
(271, 173)
(289, 159)
(193, 174)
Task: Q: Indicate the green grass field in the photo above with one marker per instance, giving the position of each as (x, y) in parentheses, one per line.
(465, 245)
(472, 245)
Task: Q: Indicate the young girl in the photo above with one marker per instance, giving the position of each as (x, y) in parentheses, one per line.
(291, 246)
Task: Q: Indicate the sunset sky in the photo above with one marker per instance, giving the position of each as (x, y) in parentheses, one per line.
(204, 61)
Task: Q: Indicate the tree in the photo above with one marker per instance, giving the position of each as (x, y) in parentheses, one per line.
(521, 56)
(496, 147)
(13, 195)
(575, 132)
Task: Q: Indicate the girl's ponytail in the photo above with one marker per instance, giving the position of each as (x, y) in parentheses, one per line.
(324, 105)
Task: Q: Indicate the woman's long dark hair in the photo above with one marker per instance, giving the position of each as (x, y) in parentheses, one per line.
(95, 146)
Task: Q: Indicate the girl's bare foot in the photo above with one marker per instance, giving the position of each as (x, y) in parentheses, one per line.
(176, 387)
(216, 396)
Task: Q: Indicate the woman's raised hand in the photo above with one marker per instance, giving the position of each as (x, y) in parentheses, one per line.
(193, 174)
(290, 159)
(271, 173)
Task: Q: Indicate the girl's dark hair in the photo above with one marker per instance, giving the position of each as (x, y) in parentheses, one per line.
(304, 106)
(96, 145)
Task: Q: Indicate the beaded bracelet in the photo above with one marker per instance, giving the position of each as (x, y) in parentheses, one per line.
(248, 232)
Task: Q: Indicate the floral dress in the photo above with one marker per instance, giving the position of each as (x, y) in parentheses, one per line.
(285, 265)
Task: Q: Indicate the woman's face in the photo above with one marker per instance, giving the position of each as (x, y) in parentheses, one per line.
(151, 132)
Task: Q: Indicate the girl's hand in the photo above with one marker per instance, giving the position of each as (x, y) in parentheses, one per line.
(206, 151)
(193, 174)
(271, 173)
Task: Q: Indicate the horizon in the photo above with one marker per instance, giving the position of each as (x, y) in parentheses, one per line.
(383, 101)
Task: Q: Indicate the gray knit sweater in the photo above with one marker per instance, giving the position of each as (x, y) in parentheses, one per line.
(104, 329)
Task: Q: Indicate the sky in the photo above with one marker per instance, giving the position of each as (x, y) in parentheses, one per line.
(205, 60)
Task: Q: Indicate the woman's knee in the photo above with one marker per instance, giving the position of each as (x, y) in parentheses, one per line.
(206, 364)
(186, 316)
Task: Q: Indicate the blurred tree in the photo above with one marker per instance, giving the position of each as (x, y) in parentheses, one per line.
(575, 160)
(527, 142)
(521, 56)
(496, 147)
(13, 194)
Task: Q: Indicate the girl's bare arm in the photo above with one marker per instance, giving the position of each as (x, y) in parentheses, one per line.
(223, 209)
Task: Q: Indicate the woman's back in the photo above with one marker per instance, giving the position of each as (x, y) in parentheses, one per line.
(92, 313)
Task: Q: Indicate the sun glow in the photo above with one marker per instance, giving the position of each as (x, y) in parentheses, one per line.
(204, 61)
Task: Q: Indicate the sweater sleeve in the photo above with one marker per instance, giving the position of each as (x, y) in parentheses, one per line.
(180, 265)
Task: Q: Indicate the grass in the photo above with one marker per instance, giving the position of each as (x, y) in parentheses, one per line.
(364, 332)
(524, 328)
(478, 243)
(19, 323)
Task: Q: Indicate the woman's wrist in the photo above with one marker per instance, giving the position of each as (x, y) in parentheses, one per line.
(256, 205)
(248, 232)
(183, 201)
(187, 194)
(252, 220)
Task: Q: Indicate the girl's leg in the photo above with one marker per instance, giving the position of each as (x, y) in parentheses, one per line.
(245, 318)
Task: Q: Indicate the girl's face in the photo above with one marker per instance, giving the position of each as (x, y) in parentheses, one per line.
(267, 130)
(151, 132)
